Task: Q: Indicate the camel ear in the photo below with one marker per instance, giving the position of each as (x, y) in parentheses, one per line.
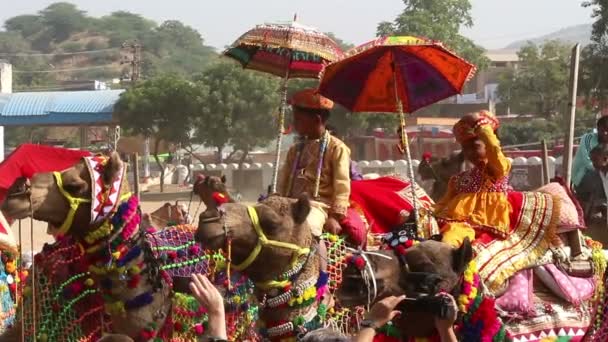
(74, 185)
(112, 169)
(223, 178)
(300, 209)
(462, 256)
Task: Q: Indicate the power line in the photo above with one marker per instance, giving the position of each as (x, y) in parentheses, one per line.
(88, 52)
(63, 70)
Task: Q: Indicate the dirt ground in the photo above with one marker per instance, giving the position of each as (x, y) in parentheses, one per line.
(150, 201)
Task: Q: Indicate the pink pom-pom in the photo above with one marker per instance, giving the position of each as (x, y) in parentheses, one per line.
(199, 329)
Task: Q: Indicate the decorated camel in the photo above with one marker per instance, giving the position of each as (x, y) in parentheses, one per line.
(439, 171)
(111, 266)
(108, 274)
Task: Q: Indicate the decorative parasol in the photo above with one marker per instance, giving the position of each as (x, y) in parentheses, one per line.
(393, 75)
(288, 50)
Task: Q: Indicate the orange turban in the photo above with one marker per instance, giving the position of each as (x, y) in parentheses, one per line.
(464, 129)
(311, 99)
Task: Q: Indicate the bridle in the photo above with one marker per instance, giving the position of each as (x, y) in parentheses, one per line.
(74, 202)
(368, 275)
(262, 242)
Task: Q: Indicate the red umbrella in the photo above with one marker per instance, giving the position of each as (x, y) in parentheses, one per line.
(393, 74)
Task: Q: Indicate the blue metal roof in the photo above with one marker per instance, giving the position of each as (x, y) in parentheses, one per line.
(58, 108)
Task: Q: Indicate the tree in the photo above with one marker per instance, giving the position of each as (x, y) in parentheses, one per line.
(540, 86)
(240, 108)
(163, 108)
(342, 44)
(594, 76)
(63, 19)
(26, 25)
(439, 20)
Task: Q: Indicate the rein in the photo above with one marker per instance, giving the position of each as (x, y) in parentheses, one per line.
(74, 202)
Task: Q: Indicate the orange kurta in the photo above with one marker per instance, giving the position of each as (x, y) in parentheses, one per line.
(477, 198)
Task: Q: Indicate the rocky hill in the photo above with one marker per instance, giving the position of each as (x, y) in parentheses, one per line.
(62, 43)
(573, 34)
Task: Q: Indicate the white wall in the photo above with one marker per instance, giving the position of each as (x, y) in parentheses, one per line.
(525, 175)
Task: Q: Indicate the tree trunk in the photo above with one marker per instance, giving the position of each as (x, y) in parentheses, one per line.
(220, 150)
(160, 165)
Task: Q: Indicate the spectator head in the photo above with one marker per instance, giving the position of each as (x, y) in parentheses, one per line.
(325, 335)
(602, 130)
(599, 157)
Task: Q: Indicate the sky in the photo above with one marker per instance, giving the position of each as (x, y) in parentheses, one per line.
(220, 22)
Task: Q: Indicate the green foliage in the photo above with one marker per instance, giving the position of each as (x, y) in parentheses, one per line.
(240, 107)
(26, 25)
(536, 129)
(342, 44)
(439, 20)
(171, 47)
(594, 75)
(164, 108)
(600, 14)
(540, 86)
(63, 19)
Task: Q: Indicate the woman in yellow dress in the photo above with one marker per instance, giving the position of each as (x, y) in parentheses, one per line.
(476, 200)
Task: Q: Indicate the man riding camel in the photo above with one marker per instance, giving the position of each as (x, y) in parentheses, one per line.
(318, 164)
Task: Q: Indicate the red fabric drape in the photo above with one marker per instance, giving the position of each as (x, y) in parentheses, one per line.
(29, 159)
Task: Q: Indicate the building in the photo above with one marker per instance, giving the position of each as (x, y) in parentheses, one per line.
(426, 134)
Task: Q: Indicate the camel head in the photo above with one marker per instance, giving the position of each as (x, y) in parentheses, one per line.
(426, 268)
(45, 196)
(280, 219)
(206, 186)
(356, 288)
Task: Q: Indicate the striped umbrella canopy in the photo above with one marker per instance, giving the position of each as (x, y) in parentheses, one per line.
(376, 76)
(289, 50)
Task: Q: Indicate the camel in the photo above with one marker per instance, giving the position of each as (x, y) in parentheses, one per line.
(429, 258)
(125, 262)
(206, 187)
(166, 216)
(440, 171)
(274, 246)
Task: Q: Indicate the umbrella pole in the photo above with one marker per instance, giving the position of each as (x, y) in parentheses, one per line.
(406, 147)
(277, 159)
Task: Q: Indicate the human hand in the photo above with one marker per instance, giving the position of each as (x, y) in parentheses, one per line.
(446, 324)
(384, 311)
(332, 226)
(207, 295)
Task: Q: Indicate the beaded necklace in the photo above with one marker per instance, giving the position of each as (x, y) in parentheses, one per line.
(323, 142)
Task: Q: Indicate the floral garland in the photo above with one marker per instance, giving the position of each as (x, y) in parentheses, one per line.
(480, 321)
(599, 297)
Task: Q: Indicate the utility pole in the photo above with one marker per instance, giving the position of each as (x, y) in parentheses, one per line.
(132, 57)
(132, 50)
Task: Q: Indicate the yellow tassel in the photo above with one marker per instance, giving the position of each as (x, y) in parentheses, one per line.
(134, 270)
(89, 282)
